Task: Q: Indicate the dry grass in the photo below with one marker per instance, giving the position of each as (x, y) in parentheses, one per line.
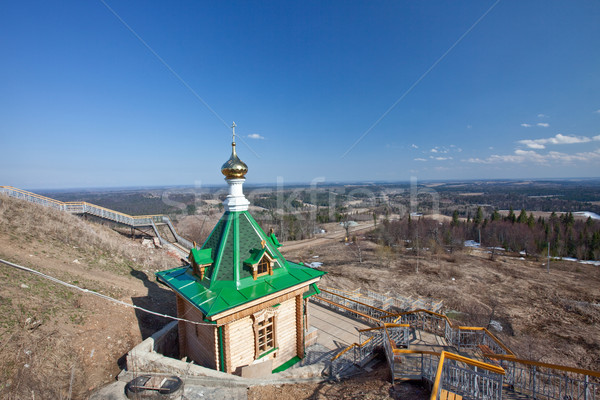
(54, 340)
(26, 222)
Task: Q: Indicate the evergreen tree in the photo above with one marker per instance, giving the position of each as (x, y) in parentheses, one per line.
(531, 220)
(522, 216)
(478, 217)
(455, 218)
(496, 215)
(511, 215)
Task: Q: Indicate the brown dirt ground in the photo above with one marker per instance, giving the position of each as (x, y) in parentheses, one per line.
(553, 318)
(52, 337)
(371, 385)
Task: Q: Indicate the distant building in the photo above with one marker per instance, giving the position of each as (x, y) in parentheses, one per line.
(251, 301)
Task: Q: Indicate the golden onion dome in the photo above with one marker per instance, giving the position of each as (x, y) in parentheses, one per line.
(234, 168)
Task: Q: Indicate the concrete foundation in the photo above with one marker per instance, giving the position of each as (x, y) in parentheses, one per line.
(149, 357)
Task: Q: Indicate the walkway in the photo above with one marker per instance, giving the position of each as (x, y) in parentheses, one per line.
(179, 244)
(336, 331)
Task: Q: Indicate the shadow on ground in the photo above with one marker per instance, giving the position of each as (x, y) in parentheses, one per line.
(158, 299)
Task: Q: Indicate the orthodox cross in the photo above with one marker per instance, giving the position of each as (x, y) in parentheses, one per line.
(233, 129)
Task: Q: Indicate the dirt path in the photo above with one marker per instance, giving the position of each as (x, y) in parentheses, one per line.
(323, 238)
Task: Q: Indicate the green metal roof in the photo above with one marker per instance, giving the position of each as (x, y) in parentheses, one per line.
(274, 240)
(228, 281)
(256, 255)
(312, 291)
(202, 256)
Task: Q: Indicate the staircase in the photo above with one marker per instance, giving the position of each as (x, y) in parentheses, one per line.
(160, 224)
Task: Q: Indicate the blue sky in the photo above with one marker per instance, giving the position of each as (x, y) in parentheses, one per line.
(115, 93)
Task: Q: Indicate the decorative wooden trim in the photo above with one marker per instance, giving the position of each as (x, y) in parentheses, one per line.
(227, 348)
(299, 327)
(251, 307)
(262, 316)
(306, 313)
(181, 328)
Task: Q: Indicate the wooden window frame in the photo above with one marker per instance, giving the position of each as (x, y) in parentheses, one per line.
(265, 323)
(265, 264)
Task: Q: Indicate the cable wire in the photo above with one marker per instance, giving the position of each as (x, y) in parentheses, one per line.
(103, 296)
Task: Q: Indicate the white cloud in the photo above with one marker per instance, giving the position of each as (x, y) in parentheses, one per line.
(526, 125)
(420, 159)
(543, 124)
(441, 149)
(540, 115)
(558, 139)
(255, 136)
(414, 146)
(440, 158)
(523, 156)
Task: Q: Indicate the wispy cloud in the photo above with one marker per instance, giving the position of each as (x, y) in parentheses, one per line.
(540, 115)
(440, 158)
(420, 159)
(597, 111)
(524, 156)
(543, 124)
(524, 125)
(558, 139)
(255, 136)
(441, 149)
(414, 146)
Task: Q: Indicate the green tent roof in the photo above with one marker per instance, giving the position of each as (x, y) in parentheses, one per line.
(235, 241)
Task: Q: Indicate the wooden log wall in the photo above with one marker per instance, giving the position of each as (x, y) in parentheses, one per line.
(286, 332)
(240, 344)
(200, 341)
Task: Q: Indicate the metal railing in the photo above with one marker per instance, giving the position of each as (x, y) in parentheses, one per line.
(469, 337)
(462, 337)
(370, 339)
(389, 301)
(548, 381)
(468, 378)
(347, 305)
(82, 207)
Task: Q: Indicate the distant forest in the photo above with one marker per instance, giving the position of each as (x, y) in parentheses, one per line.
(520, 233)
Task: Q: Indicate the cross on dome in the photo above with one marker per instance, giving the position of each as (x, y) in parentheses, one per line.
(233, 129)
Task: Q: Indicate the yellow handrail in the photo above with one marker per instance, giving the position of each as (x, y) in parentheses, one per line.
(385, 325)
(494, 338)
(456, 357)
(358, 302)
(473, 328)
(349, 347)
(347, 308)
(545, 365)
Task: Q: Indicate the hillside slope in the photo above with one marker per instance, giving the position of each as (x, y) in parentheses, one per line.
(54, 339)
